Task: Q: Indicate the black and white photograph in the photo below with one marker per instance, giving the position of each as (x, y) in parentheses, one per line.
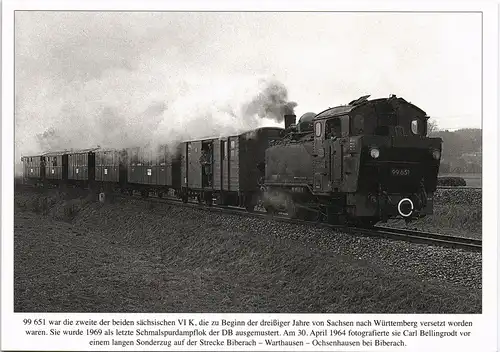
(130, 127)
(324, 162)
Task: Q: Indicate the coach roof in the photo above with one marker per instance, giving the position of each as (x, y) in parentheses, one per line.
(82, 151)
(55, 153)
(235, 135)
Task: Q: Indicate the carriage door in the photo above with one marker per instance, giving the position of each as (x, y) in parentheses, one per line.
(42, 167)
(206, 161)
(319, 169)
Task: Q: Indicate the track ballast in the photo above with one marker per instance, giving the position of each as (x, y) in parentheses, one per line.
(414, 236)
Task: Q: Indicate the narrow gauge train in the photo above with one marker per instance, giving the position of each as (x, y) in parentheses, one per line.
(360, 163)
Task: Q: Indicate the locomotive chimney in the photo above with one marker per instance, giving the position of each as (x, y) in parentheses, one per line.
(289, 120)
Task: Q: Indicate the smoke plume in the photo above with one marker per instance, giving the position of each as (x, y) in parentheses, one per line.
(97, 114)
(119, 80)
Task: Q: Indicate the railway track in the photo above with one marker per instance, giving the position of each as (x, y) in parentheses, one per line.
(414, 236)
(470, 244)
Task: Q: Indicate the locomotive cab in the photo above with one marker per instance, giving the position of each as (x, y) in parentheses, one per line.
(377, 154)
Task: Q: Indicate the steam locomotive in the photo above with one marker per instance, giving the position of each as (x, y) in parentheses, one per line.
(364, 162)
(360, 163)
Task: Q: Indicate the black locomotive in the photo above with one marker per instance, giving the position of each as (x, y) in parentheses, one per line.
(360, 163)
(363, 162)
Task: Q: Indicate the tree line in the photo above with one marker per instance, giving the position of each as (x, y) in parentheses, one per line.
(462, 149)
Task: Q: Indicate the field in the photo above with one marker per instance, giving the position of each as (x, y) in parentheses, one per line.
(78, 255)
(456, 212)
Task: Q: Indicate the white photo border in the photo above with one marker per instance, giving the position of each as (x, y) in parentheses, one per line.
(12, 338)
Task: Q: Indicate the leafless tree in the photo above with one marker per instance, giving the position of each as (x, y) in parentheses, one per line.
(432, 127)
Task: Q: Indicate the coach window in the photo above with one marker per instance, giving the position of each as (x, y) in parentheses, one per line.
(55, 161)
(317, 129)
(233, 144)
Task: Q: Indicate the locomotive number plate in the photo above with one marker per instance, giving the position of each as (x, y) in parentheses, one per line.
(400, 172)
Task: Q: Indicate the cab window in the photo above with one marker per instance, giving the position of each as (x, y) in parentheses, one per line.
(317, 129)
(415, 126)
(333, 128)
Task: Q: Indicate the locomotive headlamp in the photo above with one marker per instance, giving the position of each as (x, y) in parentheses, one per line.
(374, 153)
(436, 154)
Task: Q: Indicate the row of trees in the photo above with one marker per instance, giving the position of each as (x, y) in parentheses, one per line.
(460, 168)
(461, 149)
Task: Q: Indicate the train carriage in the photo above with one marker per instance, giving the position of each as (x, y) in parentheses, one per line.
(111, 169)
(33, 169)
(153, 171)
(229, 169)
(56, 167)
(240, 165)
(81, 167)
(107, 165)
(196, 163)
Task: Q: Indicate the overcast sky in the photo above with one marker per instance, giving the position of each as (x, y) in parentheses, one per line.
(152, 72)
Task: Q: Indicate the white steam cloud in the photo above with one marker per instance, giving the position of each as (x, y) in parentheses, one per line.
(99, 113)
(123, 80)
